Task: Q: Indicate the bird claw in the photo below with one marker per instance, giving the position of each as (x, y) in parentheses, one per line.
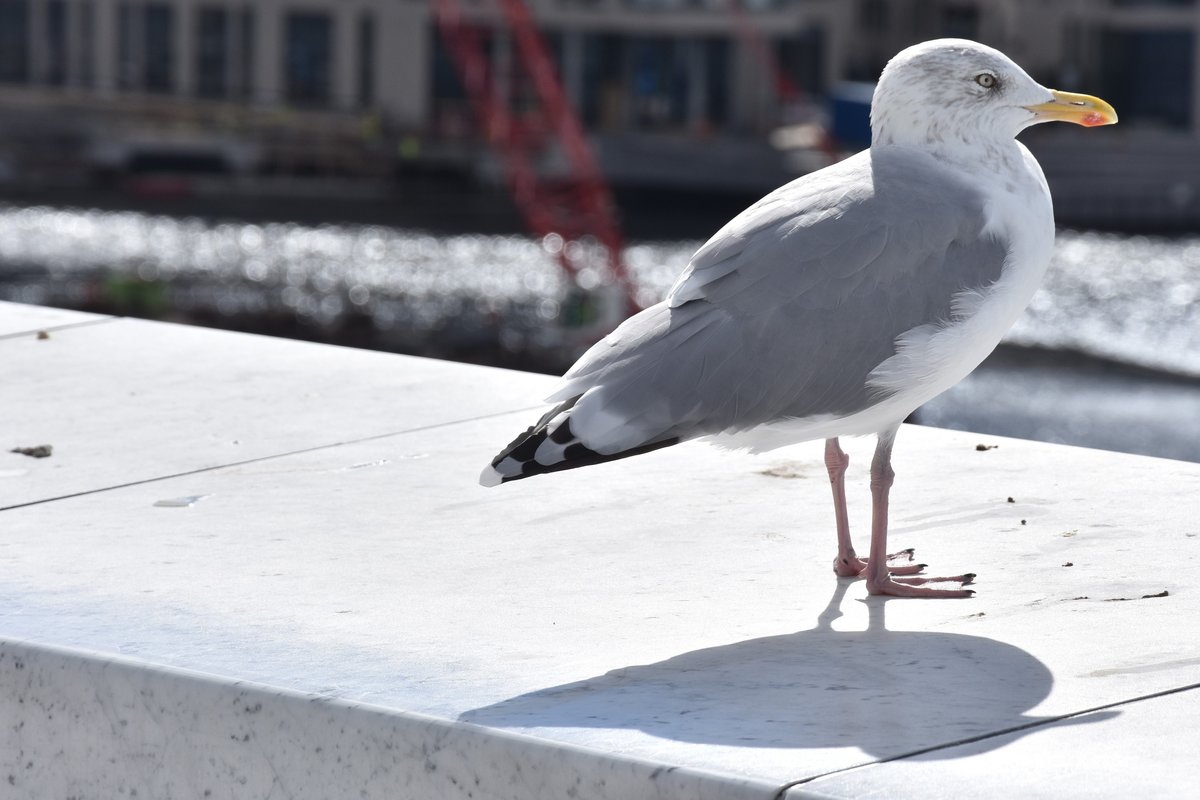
(965, 578)
(852, 566)
(849, 567)
(914, 587)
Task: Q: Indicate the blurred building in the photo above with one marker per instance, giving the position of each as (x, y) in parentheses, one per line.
(336, 86)
(625, 63)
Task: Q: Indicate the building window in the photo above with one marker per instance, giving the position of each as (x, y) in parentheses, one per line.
(604, 93)
(659, 83)
(243, 54)
(145, 46)
(452, 115)
(158, 44)
(212, 52)
(366, 61)
(127, 57)
(14, 41)
(56, 43)
(308, 58)
(873, 15)
(717, 80)
(87, 47)
(801, 58)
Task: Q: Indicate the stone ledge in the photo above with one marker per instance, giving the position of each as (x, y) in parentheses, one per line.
(676, 609)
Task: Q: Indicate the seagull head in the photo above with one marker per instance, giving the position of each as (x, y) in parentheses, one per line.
(955, 91)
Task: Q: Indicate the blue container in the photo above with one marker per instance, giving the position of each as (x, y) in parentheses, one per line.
(850, 114)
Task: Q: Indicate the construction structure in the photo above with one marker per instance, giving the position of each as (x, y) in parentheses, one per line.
(562, 206)
(626, 65)
(679, 93)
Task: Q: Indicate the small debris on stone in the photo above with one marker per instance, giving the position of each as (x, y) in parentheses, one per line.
(1011, 500)
(1068, 563)
(978, 614)
(1022, 522)
(1163, 593)
(181, 502)
(784, 470)
(1081, 597)
(40, 451)
(982, 447)
(43, 335)
(366, 464)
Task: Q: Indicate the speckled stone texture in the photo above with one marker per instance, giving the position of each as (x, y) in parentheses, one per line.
(82, 725)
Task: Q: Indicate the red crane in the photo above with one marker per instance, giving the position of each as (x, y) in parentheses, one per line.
(573, 205)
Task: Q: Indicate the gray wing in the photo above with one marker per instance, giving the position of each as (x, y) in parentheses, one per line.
(785, 312)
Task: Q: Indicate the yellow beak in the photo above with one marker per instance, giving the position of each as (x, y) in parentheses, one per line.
(1082, 109)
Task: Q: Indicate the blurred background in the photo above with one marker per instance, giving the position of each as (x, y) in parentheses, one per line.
(502, 181)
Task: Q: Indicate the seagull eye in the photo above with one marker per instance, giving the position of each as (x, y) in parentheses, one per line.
(986, 80)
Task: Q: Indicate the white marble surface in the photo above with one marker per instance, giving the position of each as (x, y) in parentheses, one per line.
(674, 609)
(131, 400)
(17, 319)
(1147, 748)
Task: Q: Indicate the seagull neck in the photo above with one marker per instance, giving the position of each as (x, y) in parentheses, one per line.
(1000, 156)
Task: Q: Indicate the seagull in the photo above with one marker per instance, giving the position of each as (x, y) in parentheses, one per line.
(840, 302)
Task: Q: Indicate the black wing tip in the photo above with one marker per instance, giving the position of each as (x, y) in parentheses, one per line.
(577, 455)
(518, 459)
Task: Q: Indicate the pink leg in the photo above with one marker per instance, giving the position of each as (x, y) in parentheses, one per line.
(847, 564)
(879, 579)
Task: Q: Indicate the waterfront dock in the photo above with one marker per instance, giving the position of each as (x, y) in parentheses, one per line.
(254, 567)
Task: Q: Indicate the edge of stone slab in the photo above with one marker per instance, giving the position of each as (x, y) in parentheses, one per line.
(83, 721)
(46, 318)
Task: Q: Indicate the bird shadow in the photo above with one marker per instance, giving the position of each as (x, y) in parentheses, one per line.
(888, 693)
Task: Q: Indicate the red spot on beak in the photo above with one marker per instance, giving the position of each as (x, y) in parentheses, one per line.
(1093, 119)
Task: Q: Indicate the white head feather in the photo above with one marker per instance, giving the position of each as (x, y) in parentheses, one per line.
(948, 93)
